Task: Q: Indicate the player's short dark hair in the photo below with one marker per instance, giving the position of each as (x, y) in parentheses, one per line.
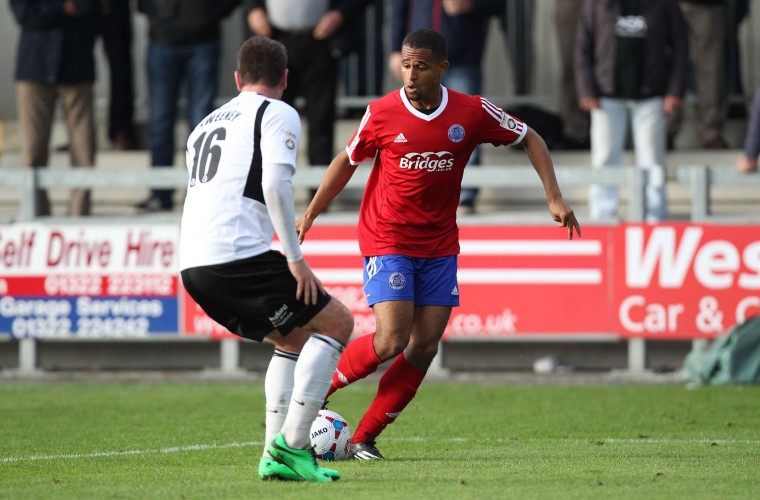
(428, 39)
(261, 60)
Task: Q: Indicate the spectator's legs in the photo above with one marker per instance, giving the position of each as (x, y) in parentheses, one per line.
(707, 40)
(609, 125)
(649, 137)
(36, 104)
(117, 42)
(202, 73)
(318, 86)
(575, 121)
(165, 72)
(80, 122)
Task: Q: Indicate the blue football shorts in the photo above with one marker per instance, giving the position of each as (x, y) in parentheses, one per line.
(426, 281)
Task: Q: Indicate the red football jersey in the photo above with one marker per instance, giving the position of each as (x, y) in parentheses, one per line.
(410, 202)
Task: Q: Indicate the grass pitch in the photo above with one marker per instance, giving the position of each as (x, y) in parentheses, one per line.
(203, 440)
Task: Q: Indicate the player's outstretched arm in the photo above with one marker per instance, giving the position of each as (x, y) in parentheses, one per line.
(539, 157)
(337, 175)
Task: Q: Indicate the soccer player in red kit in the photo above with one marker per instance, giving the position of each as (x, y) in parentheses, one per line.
(421, 137)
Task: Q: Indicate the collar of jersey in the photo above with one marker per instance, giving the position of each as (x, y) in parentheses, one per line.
(418, 113)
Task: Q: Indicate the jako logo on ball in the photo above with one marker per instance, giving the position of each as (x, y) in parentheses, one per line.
(441, 161)
(330, 436)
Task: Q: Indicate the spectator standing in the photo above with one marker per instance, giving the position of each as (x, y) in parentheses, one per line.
(465, 21)
(183, 49)
(311, 32)
(748, 162)
(575, 121)
(631, 67)
(54, 60)
(116, 32)
(706, 23)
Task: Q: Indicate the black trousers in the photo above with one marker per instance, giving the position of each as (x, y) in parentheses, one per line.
(116, 31)
(313, 75)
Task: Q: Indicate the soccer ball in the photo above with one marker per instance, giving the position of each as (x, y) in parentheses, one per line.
(330, 436)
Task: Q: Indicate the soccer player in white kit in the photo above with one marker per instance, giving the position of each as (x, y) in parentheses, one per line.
(240, 161)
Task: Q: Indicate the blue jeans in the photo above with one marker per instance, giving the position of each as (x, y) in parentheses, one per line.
(168, 67)
(609, 126)
(466, 79)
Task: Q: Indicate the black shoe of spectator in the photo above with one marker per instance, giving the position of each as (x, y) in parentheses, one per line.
(152, 205)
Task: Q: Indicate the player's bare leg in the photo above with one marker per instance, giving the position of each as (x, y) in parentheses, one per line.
(364, 354)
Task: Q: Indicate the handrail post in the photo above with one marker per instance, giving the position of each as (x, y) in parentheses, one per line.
(27, 356)
(638, 178)
(700, 193)
(28, 205)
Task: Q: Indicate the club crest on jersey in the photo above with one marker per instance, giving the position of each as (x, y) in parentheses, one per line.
(397, 281)
(442, 161)
(456, 133)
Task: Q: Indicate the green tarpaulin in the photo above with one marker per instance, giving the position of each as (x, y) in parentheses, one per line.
(733, 358)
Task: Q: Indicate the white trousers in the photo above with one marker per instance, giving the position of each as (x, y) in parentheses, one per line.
(609, 129)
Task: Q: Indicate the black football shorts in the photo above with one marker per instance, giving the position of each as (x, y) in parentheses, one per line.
(251, 297)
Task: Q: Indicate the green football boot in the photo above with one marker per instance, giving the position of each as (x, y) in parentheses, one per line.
(302, 462)
(271, 469)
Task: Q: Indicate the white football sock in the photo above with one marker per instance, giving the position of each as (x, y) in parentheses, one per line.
(278, 389)
(313, 375)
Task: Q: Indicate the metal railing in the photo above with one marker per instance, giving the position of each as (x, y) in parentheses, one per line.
(28, 181)
(703, 178)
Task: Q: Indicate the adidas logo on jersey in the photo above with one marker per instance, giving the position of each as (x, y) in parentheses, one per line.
(400, 138)
(455, 291)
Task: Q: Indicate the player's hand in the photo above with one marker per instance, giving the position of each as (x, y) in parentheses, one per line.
(328, 25)
(565, 217)
(258, 22)
(302, 227)
(309, 286)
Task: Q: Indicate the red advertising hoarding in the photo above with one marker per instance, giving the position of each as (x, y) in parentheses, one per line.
(683, 281)
(513, 280)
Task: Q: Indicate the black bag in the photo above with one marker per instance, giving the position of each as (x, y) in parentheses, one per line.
(548, 125)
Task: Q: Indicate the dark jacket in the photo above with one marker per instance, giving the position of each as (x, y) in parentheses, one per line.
(666, 57)
(465, 34)
(55, 48)
(180, 22)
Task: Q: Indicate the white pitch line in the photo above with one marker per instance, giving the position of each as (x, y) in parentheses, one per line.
(97, 454)
(418, 439)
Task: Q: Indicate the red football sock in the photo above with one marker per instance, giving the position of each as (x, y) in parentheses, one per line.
(397, 388)
(359, 359)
